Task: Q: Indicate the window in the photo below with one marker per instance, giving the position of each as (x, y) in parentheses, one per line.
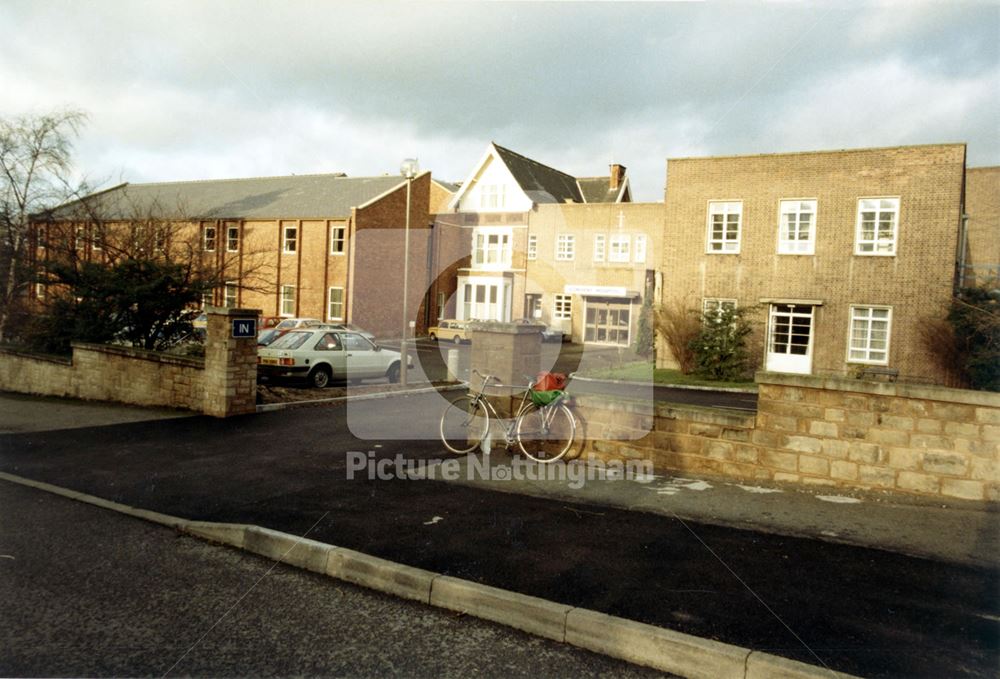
(232, 239)
(869, 340)
(79, 238)
(877, 225)
(607, 321)
(620, 245)
(797, 228)
(533, 306)
(232, 295)
(41, 236)
(354, 342)
(207, 298)
(492, 247)
(712, 306)
(40, 290)
(440, 305)
(563, 307)
(290, 239)
(329, 342)
(209, 237)
(338, 240)
(287, 300)
(724, 226)
(565, 247)
(640, 248)
(532, 247)
(97, 238)
(492, 195)
(600, 247)
(335, 304)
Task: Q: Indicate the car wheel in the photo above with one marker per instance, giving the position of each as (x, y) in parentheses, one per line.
(320, 377)
(393, 373)
(433, 337)
(458, 340)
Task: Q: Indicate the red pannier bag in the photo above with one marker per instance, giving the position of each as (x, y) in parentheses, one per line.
(547, 381)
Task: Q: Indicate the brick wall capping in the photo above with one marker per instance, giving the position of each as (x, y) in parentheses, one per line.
(49, 358)
(691, 413)
(142, 354)
(226, 311)
(920, 391)
(506, 328)
(788, 300)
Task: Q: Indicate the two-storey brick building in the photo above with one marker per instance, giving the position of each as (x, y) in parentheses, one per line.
(323, 246)
(843, 254)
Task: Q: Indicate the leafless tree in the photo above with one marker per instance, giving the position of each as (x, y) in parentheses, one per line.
(35, 159)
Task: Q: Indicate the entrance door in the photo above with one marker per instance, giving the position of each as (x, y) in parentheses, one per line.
(607, 321)
(790, 338)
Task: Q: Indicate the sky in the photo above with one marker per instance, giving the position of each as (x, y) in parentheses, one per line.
(202, 90)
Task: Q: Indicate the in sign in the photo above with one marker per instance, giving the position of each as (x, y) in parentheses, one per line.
(244, 328)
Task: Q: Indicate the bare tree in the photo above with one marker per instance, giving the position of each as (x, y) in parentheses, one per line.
(35, 158)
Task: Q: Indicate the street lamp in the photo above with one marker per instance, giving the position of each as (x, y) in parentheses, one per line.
(409, 169)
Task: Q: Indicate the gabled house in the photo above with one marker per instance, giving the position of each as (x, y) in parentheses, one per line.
(483, 241)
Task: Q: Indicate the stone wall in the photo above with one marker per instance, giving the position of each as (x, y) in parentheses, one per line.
(836, 432)
(222, 384)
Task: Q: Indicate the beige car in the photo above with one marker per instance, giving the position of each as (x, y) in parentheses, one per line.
(449, 330)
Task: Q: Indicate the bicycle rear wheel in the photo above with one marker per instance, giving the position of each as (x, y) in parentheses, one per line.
(464, 424)
(545, 433)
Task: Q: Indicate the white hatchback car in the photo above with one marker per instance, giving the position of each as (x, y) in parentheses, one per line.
(323, 354)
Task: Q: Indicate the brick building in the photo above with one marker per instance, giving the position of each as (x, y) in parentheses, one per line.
(842, 254)
(982, 240)
(506, 248)
(322, 246)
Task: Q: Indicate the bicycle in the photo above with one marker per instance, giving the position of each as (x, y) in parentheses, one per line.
(544, 433)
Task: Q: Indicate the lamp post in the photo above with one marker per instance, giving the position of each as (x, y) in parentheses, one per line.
(409, 169)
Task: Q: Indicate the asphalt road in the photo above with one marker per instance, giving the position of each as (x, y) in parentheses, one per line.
(87, 592)
(863, 611)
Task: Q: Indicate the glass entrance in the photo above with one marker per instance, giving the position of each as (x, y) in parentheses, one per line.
(607, 321)
(790, 338)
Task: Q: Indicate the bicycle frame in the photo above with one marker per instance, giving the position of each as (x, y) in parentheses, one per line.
(508, 423)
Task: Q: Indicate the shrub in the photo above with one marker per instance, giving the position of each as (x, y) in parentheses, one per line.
(678, 326)
(720, 347)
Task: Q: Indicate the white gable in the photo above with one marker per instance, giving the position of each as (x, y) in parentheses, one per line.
(491, 188)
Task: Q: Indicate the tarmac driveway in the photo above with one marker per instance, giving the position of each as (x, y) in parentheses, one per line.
(863, 611)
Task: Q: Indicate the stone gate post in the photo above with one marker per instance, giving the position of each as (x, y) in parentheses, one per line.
(230, 364)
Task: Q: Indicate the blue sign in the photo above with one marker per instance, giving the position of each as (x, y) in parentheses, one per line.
(244, 328)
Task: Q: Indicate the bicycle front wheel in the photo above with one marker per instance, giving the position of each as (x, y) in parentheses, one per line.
(464, 424)
(545, 433)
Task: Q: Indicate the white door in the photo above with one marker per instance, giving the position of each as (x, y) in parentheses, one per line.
(790, 338)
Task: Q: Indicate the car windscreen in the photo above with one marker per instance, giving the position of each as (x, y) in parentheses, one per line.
(292, 340)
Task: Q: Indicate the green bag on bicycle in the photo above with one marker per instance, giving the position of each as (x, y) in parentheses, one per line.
(544, 398)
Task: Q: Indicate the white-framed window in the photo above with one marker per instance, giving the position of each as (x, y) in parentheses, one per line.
(532, 247)
(797, 227)
(231, 300)
(600, 247)
(232, 239)
(563, 307)
(565, 247)
(639, 252)
(40, 290)
(869, 334)
(290, 239)
(711, 307)
(724, 221)
(41, 236)
(338, 240)
(287, 300)
(441, 299)
(878, 226)
(79, 238)
(492, 195)
(209, 238)
(620, 248)
(335, 304)
(491, 247)
(207, 298)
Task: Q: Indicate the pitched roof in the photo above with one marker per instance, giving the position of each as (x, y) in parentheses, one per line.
(541, 183)
(451, 187)
(597, 189)
(326, 196)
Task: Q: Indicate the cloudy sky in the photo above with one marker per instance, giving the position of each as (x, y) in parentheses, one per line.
(178, 90)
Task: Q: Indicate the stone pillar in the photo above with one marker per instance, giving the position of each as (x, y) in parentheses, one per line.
(508, 351)
(230, 364)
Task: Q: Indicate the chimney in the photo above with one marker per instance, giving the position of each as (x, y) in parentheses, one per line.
(617, 176)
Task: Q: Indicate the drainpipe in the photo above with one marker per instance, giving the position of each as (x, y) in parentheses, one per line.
(963, 237)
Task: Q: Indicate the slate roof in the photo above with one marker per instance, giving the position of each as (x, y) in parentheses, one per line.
(598, 189)
(327, 196)
(541, 183)
(452, 187)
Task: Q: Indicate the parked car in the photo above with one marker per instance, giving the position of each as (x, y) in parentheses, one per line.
(548, 334)
(449, 329)
(279, 326)
(321, 354)
(350, 327)
(290, 323)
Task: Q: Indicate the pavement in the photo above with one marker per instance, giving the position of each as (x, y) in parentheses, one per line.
(21, 413)
(812, 579)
